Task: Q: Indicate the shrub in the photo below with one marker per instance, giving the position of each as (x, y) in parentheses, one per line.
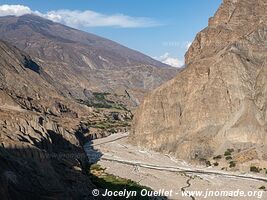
(232, 164)
(228, 152)
(100, 126)
(217, 157)
(254, 169)
(208, 163)
(112, 130)
(96, 167)
(228, 158)
(262, 188)
(216, 164)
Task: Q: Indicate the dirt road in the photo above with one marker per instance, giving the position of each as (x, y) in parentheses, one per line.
(160, 171)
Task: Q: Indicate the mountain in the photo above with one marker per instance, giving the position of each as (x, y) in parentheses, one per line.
(59, 88)
(42, 132)
(217, 105)
(79, 62)
(41, 156)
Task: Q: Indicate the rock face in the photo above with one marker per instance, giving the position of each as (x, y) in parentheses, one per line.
(41, 156)
(219, 100)
(80, 61)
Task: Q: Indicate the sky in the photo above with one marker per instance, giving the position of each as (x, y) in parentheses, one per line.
(162, 29)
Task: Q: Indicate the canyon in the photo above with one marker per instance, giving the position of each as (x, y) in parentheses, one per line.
(50, 107)
(218, 102)
(76, 108)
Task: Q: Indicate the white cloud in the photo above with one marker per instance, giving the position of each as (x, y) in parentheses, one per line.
(81, 19)
(16, 10)
(187, 45)
(90, 18)
(167, 59)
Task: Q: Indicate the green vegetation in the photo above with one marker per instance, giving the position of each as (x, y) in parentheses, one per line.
(228, 158)
(100, 101)
(100, 95)
(255, 169)
(262, 188)
(217, 157)
(109, 125)
(96, 167)
(228, 152)
(216, 164)
(112, 130)
(208, 163)
(231, 150)
(232, 164)
(104, 180)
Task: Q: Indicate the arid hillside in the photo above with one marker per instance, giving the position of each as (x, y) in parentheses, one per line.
(80, 62)
(218, 104)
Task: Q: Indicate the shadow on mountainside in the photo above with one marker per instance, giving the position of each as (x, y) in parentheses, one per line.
(55, 170)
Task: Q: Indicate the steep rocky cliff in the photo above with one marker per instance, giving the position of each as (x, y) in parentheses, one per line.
(40, 149)
(219, 100)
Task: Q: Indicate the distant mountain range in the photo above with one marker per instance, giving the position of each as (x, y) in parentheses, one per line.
(78, 61)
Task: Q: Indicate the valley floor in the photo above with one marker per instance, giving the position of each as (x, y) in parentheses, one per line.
(163, 172)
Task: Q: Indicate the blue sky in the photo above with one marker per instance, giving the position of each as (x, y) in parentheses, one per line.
(158, 28)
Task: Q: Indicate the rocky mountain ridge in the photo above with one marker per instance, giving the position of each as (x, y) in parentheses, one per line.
(79, 62)
(41, 157)
(218, 101)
